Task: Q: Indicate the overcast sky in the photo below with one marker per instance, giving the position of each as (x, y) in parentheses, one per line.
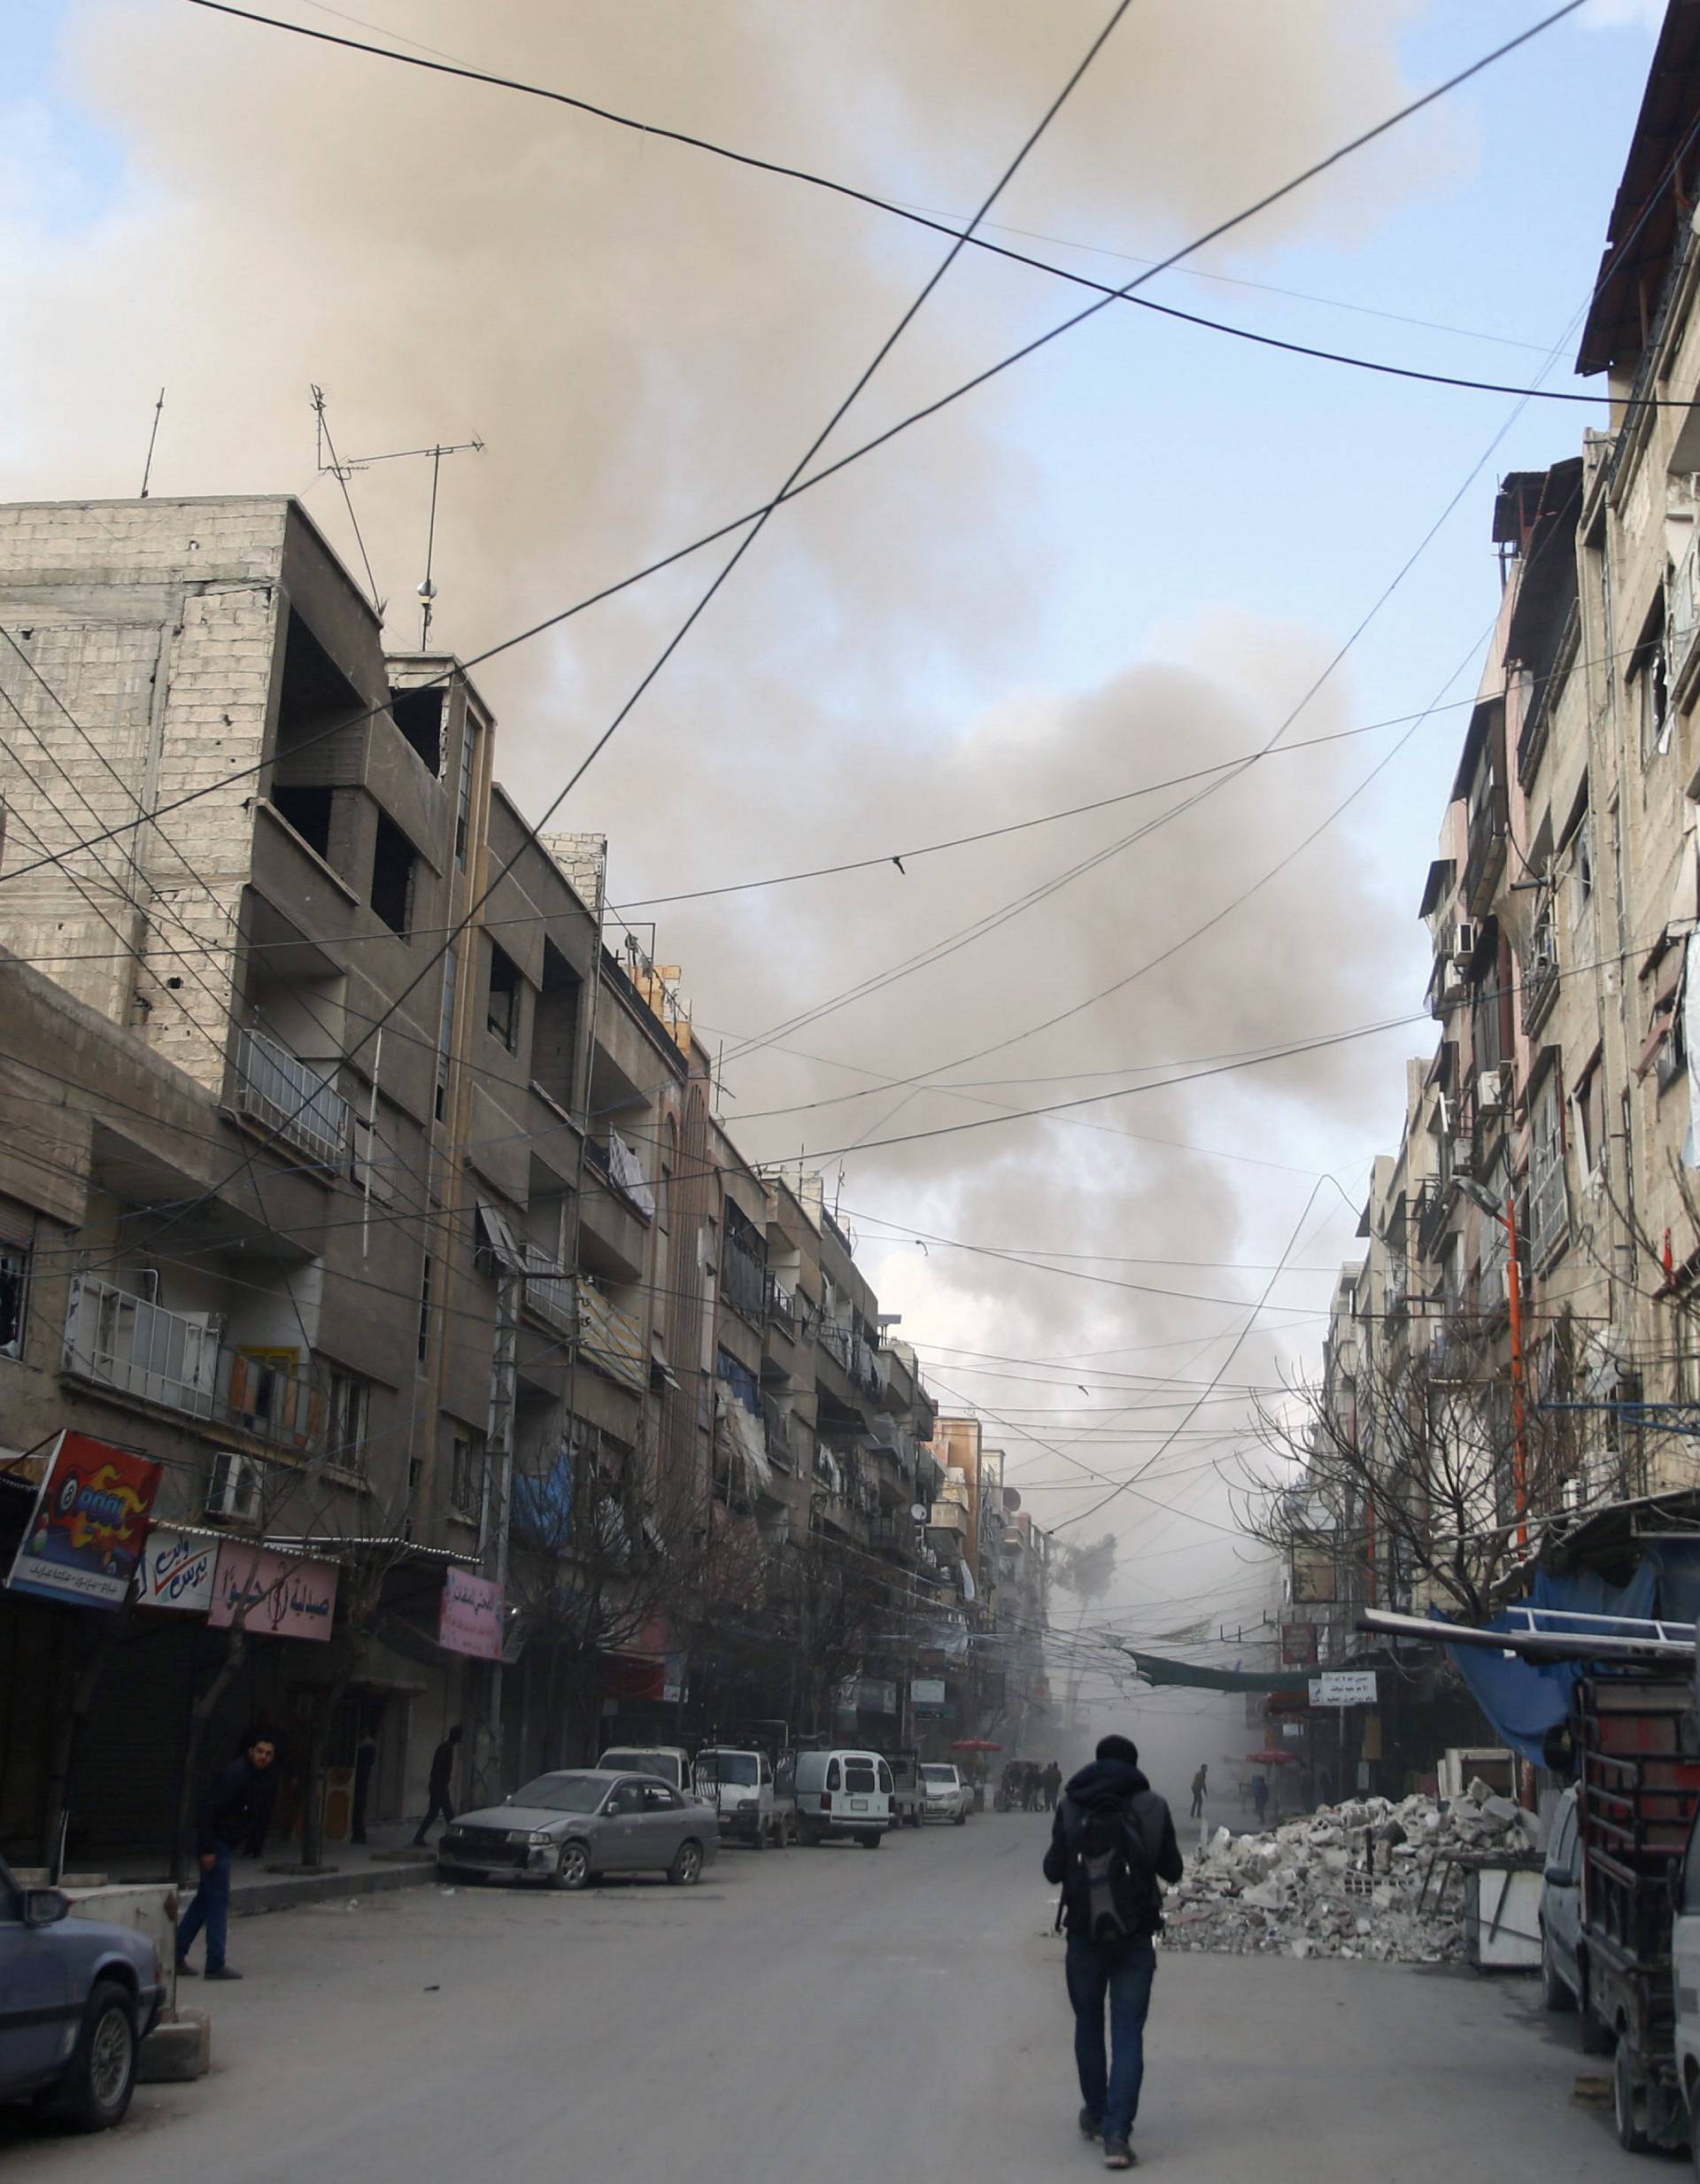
(1127, 559)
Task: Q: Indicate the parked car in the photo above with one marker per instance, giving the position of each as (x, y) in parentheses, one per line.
(670, 1761)
(755, 1800)
(943, 1794)
(843, 1794)
(1564, 1960)
(79, 1997)
(570, 1827)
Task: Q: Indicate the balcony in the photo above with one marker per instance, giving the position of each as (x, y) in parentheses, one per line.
(548, 1291)
(607, 1340)
(1540, 978)
(784, 1437)
(950, 1518)
(178, 1361)
(620, 1168)
(890, 1535)
(781, 1305)
(1484, 859)
(744, 1281)
(292, 1100)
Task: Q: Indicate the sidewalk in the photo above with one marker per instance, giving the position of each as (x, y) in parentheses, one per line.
(278, 1880)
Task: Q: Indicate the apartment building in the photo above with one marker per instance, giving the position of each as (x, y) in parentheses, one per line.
(362, 1175)
(1531, 1249)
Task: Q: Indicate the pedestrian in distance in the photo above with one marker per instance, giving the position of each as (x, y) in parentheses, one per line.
(365, 1758)
(262, 1730)
(441, 1782)
(223, 1819)
(1259, 1797)
(1053, 1786)
(1200, 1786)
(1112, 1842)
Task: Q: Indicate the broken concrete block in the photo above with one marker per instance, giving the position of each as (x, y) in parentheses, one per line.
(179, 2049)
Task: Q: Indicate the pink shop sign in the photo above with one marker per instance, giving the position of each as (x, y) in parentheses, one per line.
(470, 1619)
(286, 1596)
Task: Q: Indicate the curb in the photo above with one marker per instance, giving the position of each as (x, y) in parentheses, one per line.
(280, 1892)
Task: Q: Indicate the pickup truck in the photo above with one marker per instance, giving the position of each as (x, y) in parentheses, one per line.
(755, 1800)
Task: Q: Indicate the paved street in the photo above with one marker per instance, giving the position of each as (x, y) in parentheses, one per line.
(815, 2018)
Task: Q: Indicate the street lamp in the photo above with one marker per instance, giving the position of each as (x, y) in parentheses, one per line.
(1506, 1216)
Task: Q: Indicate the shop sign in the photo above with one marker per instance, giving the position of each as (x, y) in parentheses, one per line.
(470, 1619)
(928, 1693)
(1343, 1687)
(176, 1570)
(85, 1535)
(284, 1596)
(878, 1695)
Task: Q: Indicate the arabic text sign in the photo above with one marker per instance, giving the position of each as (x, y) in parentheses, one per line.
(85, 1535)
(177, 1571)
(285, 1597)
(928, 1691)
(1343, 1687)
(470, 1619)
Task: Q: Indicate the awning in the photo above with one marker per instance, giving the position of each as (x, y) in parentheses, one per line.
(499, 1237)
(1156, 1668)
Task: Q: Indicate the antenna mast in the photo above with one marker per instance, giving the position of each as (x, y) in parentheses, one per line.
(342, 471)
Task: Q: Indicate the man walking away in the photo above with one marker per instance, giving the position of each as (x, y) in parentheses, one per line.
(1053, 1786)
(1259, 1797)
(442, 1778)
(1200, 1784)
(225, 1815)
(1112, 1841)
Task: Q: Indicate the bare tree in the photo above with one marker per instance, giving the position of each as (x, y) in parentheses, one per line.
(1420, 1489)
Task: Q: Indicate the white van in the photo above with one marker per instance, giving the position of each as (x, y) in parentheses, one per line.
(669, 1762)
(842, 1792)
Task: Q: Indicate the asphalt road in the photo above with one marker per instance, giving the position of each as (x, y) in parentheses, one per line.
(819, 2017)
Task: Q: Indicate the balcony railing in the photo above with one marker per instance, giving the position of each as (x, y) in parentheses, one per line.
(1539, 979)
(782, 1303)
(548, 1293)
(609, 1340)
(743, 1280)
(178, 1360)
(291, 1097)
(620, 1168)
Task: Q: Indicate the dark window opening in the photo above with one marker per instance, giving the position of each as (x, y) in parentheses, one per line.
(308, 812)
(392, 877)
(424, 1307)
(502, 1016)
(419, 716)
(14, 1285)
(463, 805)
(554, 1036)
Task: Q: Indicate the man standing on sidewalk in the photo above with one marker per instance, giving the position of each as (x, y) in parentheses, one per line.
(227, 1813)
(1112, 1841)
(441, 1782)
(1201, 1790)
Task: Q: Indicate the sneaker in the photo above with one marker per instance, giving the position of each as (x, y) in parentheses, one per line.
(1118, 2154)
(185, 1970)
(221, 1972)
(1091, 2126)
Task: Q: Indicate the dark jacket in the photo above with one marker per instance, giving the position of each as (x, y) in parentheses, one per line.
(1113, 1783)
(233, 1800)
(442, 1769)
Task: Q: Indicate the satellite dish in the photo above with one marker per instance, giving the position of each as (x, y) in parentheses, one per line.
(920, 1512)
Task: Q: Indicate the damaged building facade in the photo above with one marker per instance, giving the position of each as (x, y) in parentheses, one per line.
(1519, 1341)
(361, 1176)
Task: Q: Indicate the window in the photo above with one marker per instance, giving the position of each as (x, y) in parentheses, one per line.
(502, 1013)
(657, 1798)
(308, 812)
(832, 1775)
(1649, 683)
(467, 1475)
(1581, 862)
(445, 1031)
(424, 1306)
(1690, 1873)
(419, 716)
(1549, 1204)
(1588, 1100)
(392, 877)
(14, 1296)
(463, 805)
(347, 1431)
(1666, 1043)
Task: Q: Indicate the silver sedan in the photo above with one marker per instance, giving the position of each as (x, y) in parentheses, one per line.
(568, 1828)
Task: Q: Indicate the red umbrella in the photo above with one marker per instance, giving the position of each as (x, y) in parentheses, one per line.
(975, 1744)
(1271, 1758)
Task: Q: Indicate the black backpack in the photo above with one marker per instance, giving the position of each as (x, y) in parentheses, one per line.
(1111, 1882)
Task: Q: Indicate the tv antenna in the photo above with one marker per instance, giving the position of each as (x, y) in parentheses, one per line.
(343, 470)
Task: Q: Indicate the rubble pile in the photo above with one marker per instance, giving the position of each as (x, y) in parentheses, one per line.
(1346, 1880)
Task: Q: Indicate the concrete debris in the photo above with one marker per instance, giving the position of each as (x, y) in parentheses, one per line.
(1346, 1880)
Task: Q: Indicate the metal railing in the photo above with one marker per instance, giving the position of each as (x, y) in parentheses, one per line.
(548, 1290)
(609, 1340)
(291, 1097)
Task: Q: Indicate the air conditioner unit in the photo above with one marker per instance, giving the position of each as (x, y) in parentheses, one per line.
(1465, 934)
(234, 1490)
(1494, 1089)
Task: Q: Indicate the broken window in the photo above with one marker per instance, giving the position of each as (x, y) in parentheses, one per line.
(393, 860)
(319, 747)
(419, 716)
(1648, 680)
(502, 1015)
(467, 1475)
(554, 1036)
(14, 1291)
(463, 805)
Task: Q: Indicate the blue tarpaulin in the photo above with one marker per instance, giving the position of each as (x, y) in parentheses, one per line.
(1522, 1699)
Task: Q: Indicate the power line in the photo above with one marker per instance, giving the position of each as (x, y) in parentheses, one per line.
(917, 217)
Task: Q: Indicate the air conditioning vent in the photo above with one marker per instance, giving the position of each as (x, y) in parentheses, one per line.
(234, 1492)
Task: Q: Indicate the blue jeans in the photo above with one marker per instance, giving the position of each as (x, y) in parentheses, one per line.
(212, 1910)
(1121, 1972)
